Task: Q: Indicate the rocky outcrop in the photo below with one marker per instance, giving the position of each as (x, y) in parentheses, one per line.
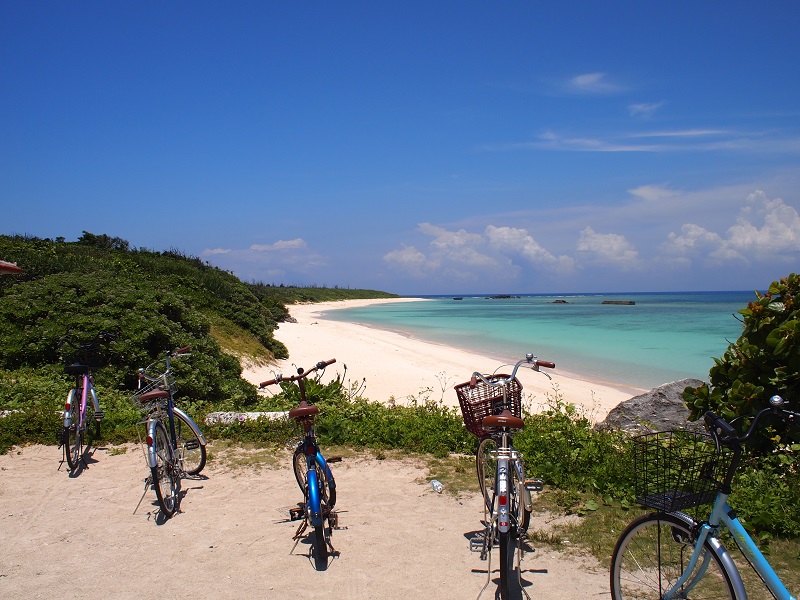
(660, 409)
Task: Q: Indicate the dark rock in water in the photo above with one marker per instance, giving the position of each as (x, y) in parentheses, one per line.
(458, 297)
(559, 302)
(660, 409)
(623, 302)
(501, 297)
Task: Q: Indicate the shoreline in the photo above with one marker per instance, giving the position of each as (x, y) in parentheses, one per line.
(396, 365)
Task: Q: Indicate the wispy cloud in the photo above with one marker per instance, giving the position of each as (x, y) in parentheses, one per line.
(679, 140)
(259, 261)
(592, 83)
(644, 110)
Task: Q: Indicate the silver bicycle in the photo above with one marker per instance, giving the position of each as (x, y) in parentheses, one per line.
(491, 405)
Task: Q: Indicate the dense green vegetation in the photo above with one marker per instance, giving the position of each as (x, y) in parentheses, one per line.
(153, 301)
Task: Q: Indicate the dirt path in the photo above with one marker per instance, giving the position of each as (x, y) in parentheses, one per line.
(79, 537)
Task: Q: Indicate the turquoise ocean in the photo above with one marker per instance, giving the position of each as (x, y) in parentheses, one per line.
(662, 337)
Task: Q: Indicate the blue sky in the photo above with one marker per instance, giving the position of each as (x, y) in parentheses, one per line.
(414, 147)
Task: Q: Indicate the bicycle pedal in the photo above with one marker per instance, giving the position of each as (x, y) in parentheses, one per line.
(191, 444)
(99, 415)
(296, 513)
(476, 543)
(534, 485)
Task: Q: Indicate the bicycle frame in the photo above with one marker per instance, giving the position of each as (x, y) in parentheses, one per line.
(722, 514)
(87, 387)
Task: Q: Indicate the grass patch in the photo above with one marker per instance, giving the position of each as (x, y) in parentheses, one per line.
(239, 342)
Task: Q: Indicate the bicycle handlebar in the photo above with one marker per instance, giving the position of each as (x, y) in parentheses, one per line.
(177, 353)
(724, 433)
(529, 359)
(300, 373)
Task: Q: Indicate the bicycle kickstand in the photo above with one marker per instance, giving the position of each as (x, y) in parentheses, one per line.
(147, 482)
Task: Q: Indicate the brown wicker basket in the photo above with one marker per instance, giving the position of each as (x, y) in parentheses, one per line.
(483, 400)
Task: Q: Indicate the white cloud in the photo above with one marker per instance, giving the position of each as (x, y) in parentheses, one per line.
(513, 240)
(765, 230)
(280, 245)
(216, 251)
(498, 252)
(607, 249)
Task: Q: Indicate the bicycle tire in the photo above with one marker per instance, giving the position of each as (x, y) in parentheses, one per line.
(166, 479)
(650, 555)
(520, 514)
(300, 466)
(73, 442)
(486, 467)
(189, 446)
(320, 548)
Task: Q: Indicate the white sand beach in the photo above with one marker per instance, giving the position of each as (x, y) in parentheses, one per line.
(397, 365)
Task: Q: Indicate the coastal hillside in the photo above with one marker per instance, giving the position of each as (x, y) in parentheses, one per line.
(153, 301)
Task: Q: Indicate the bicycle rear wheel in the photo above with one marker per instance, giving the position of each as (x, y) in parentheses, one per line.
(653, 552)
(320, 547)
(300, 464)
(166, 479)
(73, 442)
(486, 466)
(193, 452)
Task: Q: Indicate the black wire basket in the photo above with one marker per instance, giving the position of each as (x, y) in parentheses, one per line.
(676, 470)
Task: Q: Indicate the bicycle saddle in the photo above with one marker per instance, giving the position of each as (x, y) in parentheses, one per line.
(504, 419)
(154, 395)
(303, 410)
(76, 369)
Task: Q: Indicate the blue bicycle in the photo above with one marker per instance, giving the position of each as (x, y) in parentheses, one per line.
(669, 554)
(312, 472)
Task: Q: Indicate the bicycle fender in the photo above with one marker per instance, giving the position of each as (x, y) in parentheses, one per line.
(328, 474)
(151, 448)
(71, 402)
(313, 507)
(94, 398)
(730, 567)
(724, 557)
(192, 424)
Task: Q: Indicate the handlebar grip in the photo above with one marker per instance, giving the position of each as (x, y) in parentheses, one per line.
(546, 363)
(725, 429)
(264, 384)
(473, 381)
(182, 350)
(324, 363)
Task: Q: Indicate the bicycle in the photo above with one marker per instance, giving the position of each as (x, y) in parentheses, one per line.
(78, 411)
(175, 445)
(312, 472)
(491, 407)
(669, 554)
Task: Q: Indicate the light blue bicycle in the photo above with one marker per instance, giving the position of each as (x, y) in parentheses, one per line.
(668, 554)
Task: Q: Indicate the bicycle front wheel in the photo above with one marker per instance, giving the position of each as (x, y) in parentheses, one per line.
(651, 555)
(73, 442)
(192, 451)
(166, 479)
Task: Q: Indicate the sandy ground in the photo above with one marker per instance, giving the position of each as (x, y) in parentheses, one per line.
(83, 537)
(397, 365)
